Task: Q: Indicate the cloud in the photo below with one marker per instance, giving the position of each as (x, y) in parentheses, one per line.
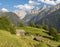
(51, 2)
(4, 10)
(31, 4)
(25, 6)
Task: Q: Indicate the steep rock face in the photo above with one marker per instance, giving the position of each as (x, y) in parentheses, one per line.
(20, 13)
(12, 17)
(44, 13)
(28, 17)
(52, 20)
(49, 16)
(32, 14)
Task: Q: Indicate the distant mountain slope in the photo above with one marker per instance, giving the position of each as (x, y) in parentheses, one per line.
(12, 16)
(49, 16)
(45, 12)
(52, 20)
(28, 18)
(20, 13)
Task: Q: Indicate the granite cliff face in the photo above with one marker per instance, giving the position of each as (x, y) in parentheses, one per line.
(52, 20)
(30, 16)
(45, 12)
(49, 16)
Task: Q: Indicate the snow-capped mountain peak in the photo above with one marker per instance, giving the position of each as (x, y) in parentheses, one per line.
(20, 13)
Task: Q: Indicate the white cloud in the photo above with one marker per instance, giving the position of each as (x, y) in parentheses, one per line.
(31, 4)
(19, 6)
(4, 10)
(51, 2)
(30, 1)
(25, 6)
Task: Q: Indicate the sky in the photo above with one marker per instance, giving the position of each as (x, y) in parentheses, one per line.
(11, 5)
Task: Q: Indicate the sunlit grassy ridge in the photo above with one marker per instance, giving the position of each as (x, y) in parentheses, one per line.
(33, 30)
(42, 32)
(8, 40)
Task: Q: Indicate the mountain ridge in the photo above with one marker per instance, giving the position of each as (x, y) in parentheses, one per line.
(45, 12)
(14, 19)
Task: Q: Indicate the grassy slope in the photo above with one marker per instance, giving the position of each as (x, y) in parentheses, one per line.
(9, 40)
(40, 31)
(33, 30)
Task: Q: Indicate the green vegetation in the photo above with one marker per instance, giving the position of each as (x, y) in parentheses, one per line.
(46, 39)
(6, 25)
(45, 27)
(39, 26)
(58, 45)
(32, 24)
(9, 40)
(32, 30)
(40, 33)
(21, 24)
(53, 32)
(41, 45)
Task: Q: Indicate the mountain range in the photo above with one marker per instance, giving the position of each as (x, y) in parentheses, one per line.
(14, 19)
(46, 16)
(49, 16)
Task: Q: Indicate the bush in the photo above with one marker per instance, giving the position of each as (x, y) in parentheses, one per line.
(21, 24)
(40, 45)
(37, 45)
(38, 26)
(5, 24)
(53, 32)
(12, 30)
(27, 34)
(58, 46)
(45, 27)
(32, 24)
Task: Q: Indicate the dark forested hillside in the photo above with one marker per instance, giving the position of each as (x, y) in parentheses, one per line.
(12, 17)
(5, 24)
(28, 18)
(52, 20)
(44, 13)
(49, 16)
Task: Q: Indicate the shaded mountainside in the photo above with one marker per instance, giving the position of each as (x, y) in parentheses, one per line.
(12, 16)
(49, 16)
(44, 13)
(52, 20)
(28, 17)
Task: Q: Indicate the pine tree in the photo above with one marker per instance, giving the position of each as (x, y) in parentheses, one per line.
(21, 24)
(32, 24)
(5, 24)
(53, 32)
(45, 27)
